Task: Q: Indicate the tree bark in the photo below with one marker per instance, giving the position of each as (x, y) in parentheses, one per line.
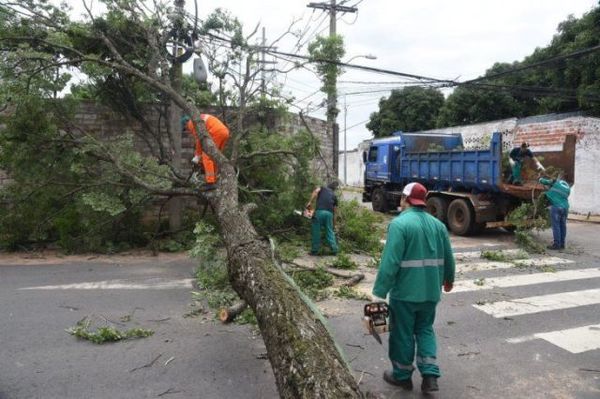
(305, 359)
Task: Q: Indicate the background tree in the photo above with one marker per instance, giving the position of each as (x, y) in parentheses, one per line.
(410, 109)
(39, 38)
(468, 105)
(566, 79)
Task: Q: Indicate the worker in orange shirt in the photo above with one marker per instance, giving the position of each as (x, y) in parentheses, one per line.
(219, 134)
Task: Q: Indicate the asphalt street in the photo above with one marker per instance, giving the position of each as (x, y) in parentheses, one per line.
(509, 330)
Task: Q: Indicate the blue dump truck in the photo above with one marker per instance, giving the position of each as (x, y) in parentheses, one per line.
(466, 189)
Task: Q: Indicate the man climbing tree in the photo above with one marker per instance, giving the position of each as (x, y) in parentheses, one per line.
(219, 134)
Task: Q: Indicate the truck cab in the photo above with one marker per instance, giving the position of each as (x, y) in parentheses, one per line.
(384, 176)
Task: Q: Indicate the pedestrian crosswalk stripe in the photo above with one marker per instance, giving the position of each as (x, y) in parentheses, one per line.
(524, 279)
(549, 260)
(480, 266)
(147, 284)
(477, 254)
(574, 340)
(543, 303)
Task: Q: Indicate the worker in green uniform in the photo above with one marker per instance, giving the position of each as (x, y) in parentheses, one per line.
(416, 261)
(323, 217)
(557, 193)
(515, 158)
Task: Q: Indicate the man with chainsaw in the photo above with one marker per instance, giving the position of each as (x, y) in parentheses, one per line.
(416, 262)
(323, 217)
(219, 134)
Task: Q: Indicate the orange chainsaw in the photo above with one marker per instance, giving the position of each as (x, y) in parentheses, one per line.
(375, 319)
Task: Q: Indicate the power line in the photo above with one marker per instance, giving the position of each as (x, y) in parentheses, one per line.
(575, 54)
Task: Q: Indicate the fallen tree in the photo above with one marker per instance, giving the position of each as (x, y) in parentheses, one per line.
(38, 37)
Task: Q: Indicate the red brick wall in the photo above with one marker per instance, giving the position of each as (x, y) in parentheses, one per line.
(549, 133)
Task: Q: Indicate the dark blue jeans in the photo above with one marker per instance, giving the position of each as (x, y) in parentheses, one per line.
(558, 217)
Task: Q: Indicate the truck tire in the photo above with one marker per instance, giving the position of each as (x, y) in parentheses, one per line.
(461, 217)
(438, 207)
(379, 201)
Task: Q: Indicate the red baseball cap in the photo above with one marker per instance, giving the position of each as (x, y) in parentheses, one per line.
(415, 194)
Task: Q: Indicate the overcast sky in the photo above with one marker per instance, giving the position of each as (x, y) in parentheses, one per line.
(456, 39)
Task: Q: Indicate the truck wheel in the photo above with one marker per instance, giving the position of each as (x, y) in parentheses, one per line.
(378, 200)
(438, 207)
(460, 217)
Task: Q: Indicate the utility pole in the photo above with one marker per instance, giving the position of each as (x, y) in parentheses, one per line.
(345, 149)
(263, 62)
(332, 126)
(175, 204)
(263, 84)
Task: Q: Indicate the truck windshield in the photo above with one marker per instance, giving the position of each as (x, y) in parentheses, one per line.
(373, 154)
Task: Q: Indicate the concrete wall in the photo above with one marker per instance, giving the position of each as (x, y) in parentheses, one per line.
(543, 133)
(102, 122)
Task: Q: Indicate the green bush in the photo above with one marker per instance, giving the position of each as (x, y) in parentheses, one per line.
(358, 228)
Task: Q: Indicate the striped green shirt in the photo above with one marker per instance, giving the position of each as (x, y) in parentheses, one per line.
(558, 192)
(416, 260)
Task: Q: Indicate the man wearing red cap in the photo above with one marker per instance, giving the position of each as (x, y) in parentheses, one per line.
(416, 261)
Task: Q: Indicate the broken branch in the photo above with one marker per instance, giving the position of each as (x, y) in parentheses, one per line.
(227, 315)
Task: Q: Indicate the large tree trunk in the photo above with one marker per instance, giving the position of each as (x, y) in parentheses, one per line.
(305, 359)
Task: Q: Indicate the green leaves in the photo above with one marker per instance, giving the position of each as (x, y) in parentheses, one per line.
(321, 50)
(409, 109)
(106, 334)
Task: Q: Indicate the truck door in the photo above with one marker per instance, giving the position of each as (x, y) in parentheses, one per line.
(383, 162)
(371, 166)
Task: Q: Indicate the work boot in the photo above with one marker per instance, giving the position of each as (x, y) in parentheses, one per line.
(554, 247)
(429, 384)
(388, 376)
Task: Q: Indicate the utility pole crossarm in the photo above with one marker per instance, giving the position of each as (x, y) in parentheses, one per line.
(329, 7)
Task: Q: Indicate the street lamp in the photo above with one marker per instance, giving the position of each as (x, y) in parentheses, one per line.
(369, 57)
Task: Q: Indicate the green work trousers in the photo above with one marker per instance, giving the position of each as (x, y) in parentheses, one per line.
(516, 172)
(323, 219)
(412, 322)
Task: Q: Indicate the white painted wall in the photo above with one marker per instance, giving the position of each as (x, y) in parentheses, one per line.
(585, 193)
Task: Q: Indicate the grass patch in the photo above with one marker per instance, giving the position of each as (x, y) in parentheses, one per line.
(343, 261)
(105, 334)
(351, 293)
(247, 317)
(480, 282)
(313, 282)
(501, 256)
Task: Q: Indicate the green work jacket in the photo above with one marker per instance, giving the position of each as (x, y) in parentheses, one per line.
(558, 193)
(416, 260)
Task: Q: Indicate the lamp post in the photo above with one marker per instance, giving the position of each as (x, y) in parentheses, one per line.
(369, 57)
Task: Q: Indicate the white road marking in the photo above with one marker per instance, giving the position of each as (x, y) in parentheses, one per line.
(543, 303)
(477, 254)
(549, 260)
(524, 279)
(478, 266)
(520, 340)
(574, 340)
(147, 284)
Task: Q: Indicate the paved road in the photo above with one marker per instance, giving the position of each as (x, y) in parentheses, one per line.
(528, 331)
(196, 358)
